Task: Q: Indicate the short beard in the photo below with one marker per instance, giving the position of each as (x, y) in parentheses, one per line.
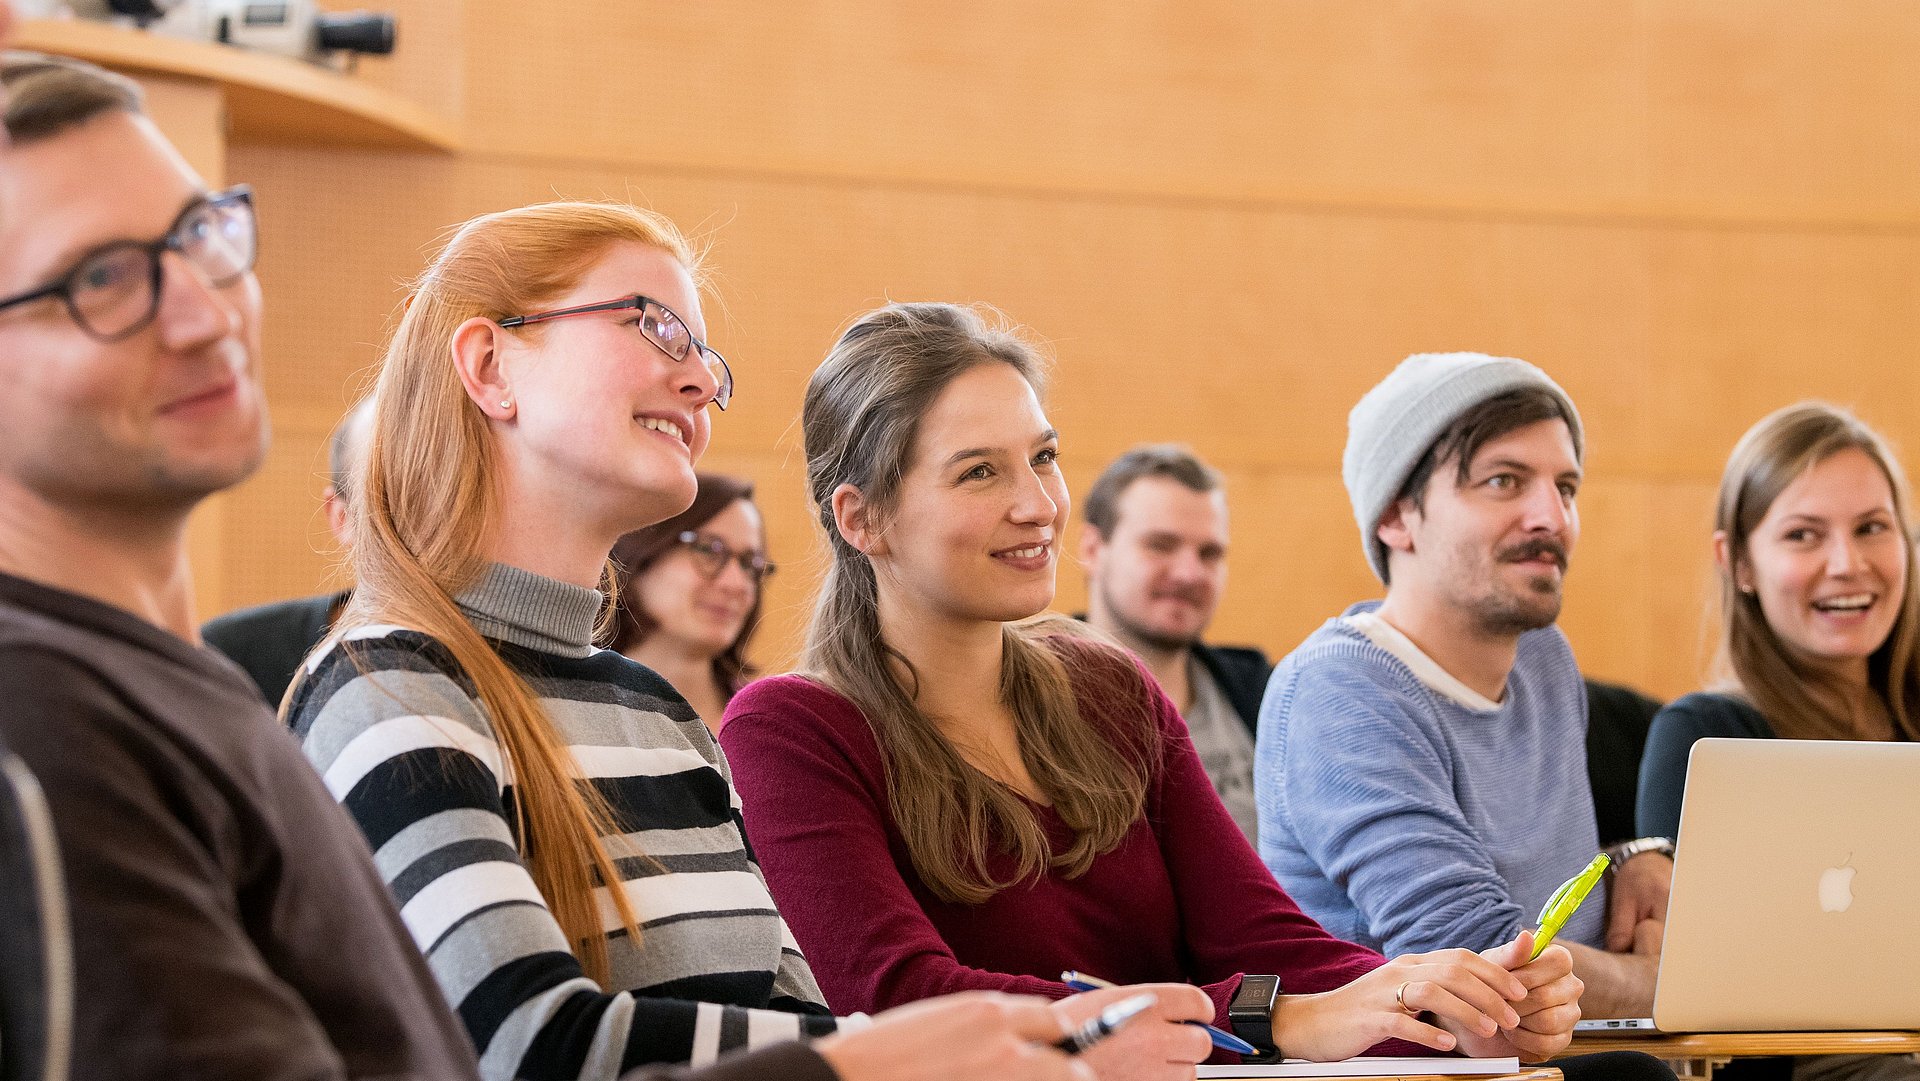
(1145, 637)
(1506, 616)
(1498, 614)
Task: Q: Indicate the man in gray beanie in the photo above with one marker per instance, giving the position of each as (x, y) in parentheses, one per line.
(1421, 763)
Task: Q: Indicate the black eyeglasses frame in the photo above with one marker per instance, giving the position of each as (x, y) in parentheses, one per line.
(154, 249)
(638, 302)
(757, 566)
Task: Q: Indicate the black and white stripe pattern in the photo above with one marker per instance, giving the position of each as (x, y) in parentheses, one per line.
(396, 732)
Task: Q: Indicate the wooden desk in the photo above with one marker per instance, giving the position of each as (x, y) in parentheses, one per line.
(1695, 1054)
(1527, 1073)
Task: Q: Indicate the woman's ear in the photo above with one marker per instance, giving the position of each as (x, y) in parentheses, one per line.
(853, 518)
(476, 356)
(1723, 558)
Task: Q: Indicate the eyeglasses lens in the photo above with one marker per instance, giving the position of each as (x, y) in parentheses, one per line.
(113, 292)
(219, 240)
(673, 337)
(666, 330)
(712, 556)
(722, 375)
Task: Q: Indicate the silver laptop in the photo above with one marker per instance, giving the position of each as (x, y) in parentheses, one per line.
(1796, 891)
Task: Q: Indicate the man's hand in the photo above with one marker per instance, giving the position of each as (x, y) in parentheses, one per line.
(1619, 984)
(1638, 892)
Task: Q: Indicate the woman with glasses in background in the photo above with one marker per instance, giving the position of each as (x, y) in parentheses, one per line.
(690, 594)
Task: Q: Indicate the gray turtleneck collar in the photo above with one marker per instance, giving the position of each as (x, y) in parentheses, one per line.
(512, 605)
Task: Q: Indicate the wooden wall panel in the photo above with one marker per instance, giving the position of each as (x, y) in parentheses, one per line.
(1294, 559)
(1783, 109)
(429, 62)
(1745, 322)
(1696, 108)
(1636, 583)
(1225, 220)
(1287, 315)
(277, 513)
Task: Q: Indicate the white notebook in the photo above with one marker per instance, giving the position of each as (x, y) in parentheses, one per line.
(1370, 1067)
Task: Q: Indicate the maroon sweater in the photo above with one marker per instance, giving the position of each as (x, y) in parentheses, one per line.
(1183, 898)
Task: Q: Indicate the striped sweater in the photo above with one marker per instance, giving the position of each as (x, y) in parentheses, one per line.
(396, 731)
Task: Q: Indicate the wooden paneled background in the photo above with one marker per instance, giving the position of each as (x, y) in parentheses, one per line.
(1226, 218)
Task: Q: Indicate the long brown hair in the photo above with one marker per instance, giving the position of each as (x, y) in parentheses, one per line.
(638, 550)
(1799, 701)
(428, 505)
(862, 411)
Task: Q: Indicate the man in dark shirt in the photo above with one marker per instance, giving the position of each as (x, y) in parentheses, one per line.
(226, 918)
(1155, 552)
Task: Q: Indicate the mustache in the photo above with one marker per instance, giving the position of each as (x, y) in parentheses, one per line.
(1534, 549)
(1189, 594)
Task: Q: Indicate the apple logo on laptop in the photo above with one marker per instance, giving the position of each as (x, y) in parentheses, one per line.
(1836, 887)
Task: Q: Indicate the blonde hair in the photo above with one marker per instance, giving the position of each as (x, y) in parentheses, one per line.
(427, 506)
(862, 411)
(1798, 701)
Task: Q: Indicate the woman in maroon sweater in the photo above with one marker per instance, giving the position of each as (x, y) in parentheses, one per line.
(952, 799)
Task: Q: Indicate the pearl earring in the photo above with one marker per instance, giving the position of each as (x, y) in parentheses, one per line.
(506, 403)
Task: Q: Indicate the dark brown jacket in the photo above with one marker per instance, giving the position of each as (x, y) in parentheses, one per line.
(227, 919)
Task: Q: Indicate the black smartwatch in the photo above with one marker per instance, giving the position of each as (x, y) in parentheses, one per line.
(1251, 1015)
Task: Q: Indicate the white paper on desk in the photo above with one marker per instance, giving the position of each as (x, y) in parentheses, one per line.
(1369, 1067)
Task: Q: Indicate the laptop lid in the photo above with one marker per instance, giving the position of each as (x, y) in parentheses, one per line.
(1796, 889)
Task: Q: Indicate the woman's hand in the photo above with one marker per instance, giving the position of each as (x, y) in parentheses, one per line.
(972, 1036)
(1548, 1011)
(1153, 1046)
(1456, 990)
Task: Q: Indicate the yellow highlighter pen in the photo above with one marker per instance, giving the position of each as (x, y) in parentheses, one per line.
(1565, 902)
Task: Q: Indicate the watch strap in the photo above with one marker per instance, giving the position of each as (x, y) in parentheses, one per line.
(1626, 850)
(1250, 1014)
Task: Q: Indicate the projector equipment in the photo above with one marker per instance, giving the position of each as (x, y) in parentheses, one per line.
(296, 28)
(141, 12)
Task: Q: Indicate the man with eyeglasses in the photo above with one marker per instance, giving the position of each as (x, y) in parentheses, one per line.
(226, 918)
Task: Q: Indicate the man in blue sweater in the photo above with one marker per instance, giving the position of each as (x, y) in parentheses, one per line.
(1421, 764)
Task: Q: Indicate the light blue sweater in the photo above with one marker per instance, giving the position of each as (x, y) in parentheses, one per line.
(1405, 821)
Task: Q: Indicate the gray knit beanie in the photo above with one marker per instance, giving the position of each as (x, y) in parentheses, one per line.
(1400, 419)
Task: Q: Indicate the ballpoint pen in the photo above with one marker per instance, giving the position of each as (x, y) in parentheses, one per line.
(1565, 901)
(1106, 1024)
(1225, 1041)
